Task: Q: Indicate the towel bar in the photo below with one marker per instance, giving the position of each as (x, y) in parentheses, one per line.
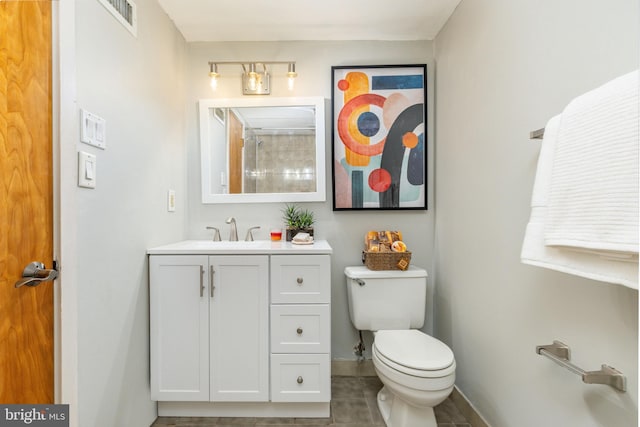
(561, 354)
(536, 134)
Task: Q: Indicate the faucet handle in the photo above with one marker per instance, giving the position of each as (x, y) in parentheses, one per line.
(249, 237)
(216, 234)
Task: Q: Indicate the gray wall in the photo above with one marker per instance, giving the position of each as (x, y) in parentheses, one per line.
(344, 230)
(503, 69)
(137, 85)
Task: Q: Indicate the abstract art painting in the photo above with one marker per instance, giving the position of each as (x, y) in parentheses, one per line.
(379, 137)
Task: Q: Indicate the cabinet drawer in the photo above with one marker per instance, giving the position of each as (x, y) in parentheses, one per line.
(300, 279)
(300, 378)
(300, 328)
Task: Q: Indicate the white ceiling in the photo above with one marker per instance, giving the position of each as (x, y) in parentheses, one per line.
(278, 20)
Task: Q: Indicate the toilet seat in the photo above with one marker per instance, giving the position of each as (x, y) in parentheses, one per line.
(414, 353)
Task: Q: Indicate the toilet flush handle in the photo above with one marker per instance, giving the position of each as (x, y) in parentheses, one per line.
(359, 282)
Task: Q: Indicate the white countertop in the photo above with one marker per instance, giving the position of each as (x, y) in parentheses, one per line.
(208, 247)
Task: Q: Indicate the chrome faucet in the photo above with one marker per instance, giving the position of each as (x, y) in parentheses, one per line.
(216, 233)
(249, 237)
(233, 232)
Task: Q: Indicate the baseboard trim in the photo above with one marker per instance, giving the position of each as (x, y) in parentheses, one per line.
(353, 368)
(467, 409)
(245, 409)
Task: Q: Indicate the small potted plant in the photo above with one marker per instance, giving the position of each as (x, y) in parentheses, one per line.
(297, 220)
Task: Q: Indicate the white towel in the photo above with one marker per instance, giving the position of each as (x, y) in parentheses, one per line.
(593, 195)
(620, 267)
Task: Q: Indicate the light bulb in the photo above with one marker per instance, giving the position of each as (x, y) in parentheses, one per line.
(291, 74)
(252, 76)
(213, 75)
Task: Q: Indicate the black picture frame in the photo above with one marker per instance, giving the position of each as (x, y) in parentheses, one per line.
(379, 137)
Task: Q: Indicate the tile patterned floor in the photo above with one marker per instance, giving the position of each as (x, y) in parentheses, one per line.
(353, 404)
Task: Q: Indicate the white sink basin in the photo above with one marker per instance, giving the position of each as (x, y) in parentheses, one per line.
(206, 245)
(240, 247)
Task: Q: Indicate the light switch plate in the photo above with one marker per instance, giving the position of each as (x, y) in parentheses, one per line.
(86, 170)
(93, 129)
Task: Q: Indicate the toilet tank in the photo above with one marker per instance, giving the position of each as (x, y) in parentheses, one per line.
(387, 299)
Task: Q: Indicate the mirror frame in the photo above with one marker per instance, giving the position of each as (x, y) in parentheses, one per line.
(205, 105)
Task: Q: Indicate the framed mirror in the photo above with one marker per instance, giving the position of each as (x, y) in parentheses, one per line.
(262, 150)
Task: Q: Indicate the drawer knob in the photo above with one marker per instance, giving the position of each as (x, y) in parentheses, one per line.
(300, 380)
(299, 280)
(299, 331)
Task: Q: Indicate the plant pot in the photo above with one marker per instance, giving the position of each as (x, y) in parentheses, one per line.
(291, 232)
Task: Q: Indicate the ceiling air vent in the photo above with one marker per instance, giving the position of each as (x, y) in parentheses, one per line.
(125, 12)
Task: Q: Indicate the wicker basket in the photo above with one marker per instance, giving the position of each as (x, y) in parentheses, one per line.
(386, 260)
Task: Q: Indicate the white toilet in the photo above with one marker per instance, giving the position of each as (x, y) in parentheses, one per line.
(417, 370)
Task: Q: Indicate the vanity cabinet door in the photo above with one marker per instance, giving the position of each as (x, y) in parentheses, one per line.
(179, 316)
(239, 328)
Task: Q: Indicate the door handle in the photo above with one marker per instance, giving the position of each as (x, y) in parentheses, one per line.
(36, 273)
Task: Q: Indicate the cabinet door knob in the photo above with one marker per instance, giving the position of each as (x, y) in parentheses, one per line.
(300, 380)
(299, 331)
(299, 280)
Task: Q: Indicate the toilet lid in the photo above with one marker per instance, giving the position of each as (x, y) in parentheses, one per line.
(413, 349)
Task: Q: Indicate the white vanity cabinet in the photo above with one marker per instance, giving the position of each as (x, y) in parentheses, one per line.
(238, 328)
(179, 315)
(300, 328)
(209, 328)
(241, 329)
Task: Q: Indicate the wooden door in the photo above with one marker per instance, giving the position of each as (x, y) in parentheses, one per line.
(236, 144)
(26, 201)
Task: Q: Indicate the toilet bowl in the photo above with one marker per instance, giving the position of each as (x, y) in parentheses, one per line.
(417, 370)
(418, 373)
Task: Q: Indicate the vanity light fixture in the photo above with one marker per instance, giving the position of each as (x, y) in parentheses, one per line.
(291, 75)
(255, 76)
(213, 75)
(252, 79)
